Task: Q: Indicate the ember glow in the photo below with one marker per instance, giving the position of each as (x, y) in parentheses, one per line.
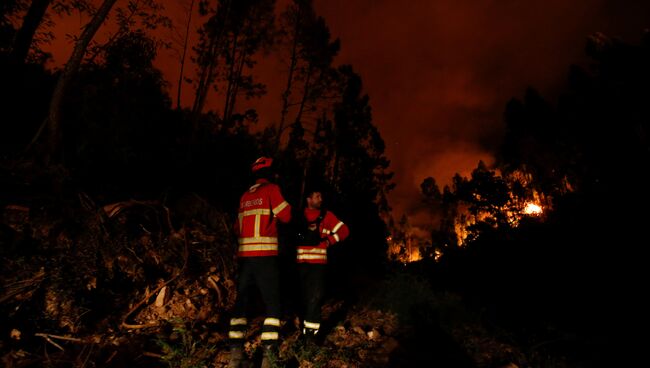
(533, 209)
(404, 249)
(529, 203)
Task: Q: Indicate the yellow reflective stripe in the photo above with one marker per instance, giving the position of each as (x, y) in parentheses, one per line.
(270, 335)
(259, 240)
(336, 236)
(272, 322)
(337, 227)
(312, 250)
(312, 325)
(257, 226)
(256, 211)
(257, 247)
(304, 331)
(312, 256)
(236, 334)
(238, 321)
(280, 207)
(325, 231)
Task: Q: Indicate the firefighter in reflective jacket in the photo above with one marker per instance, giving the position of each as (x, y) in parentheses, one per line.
(319, 230)
(260, 207)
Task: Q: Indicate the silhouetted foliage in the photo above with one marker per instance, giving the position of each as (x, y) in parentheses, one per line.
(575, 270)
(305, 38)
(25, 35)
(118, 118)
(7, 31)
(359, 172)
(233, 34)
(431, 191)
(122, 141)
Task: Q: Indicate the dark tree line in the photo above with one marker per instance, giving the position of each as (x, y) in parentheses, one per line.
(111, 131)
(578, 268)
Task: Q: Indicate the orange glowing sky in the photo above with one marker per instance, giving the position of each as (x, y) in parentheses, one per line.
(439, 73)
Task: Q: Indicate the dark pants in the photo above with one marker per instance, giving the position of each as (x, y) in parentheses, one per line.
(312, 290)
(261, 273)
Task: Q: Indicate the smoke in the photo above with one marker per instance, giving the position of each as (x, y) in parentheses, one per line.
(439, 73)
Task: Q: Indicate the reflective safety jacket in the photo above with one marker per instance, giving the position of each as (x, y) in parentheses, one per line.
(259, 210)
(330, 229)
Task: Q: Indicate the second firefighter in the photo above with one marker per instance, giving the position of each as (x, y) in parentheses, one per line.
(317, 230)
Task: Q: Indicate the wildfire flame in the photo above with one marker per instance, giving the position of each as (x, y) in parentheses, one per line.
(533, 209)
(414, 255)
(404, 249)
(407, 245)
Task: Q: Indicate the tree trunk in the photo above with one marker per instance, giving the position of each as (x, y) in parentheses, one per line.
(133, 11)
(25, 35)
(180, 77)
(232, 71)
(305, 94)
(287, 92)
(301, 203)
(205, 81)
(235, 90)
(207, 76)
(53, 120)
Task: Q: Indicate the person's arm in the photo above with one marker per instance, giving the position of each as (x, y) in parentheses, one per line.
(279, 206)
(338, 231)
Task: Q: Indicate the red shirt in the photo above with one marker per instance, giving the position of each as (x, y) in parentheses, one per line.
(332, 231)
(259, 209)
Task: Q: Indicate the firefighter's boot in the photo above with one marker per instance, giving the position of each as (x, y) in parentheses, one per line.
(309, 336)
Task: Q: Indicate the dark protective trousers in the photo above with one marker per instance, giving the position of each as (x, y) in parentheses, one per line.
(261, 273)
(312, 292)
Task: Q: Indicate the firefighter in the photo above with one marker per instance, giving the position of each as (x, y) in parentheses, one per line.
(260, 208)
(317, 230)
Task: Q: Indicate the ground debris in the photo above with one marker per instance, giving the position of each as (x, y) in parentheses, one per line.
(72, 271)
(354, 341)
(133, 283)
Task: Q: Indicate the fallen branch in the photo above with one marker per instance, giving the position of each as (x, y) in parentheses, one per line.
(134, 254)
(152, 355)
(81, 361)
(127, 325)
(114, 209)
(169, 220)
(13, 293)
(38, 277)
(113, 354)
(212, 280)
(17, 207)
(59, 337)
(48, 339)
(136, 327)
(22, 286)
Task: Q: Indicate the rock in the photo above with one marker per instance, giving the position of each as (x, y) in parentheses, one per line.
(160, 299)
(374, 334)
